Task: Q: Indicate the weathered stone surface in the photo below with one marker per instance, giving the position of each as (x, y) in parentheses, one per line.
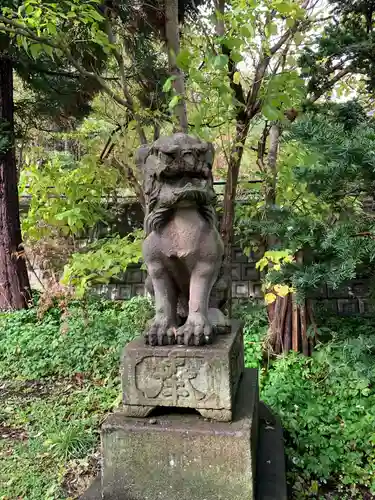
(204, 378)
(183, 249)
(182, 456)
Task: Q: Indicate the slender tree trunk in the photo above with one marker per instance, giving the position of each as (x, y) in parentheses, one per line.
(288, 321)
(172, 32)
(219, 11)
(226, 229)
(14, 281)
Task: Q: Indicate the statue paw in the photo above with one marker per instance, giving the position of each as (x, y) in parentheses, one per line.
(160, 332)
(196, 331)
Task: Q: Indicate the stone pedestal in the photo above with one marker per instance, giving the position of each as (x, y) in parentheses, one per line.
(183, 456)
(204, 378)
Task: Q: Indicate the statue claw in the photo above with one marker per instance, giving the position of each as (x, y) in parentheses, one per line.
(160, 333)
(195, 332)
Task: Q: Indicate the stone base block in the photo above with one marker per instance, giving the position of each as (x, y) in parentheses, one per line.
(183, 456)
(204, 378)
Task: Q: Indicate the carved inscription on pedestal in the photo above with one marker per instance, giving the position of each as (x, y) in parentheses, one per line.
(205, 378)
(174, 380)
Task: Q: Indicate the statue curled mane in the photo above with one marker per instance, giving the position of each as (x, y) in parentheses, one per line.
(177, 170)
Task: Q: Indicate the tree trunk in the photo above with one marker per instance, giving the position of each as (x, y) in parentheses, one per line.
(288, 326)
(227, 222)
(14, 281)
(172, 33)
(219, 12)
(288, 322)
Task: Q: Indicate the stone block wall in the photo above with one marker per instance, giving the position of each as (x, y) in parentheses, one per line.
(350, 298)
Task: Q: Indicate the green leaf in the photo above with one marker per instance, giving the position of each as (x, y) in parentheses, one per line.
(270, 113)
(232, 42)
(174, 101)
(96, 15)
(236, 56)
(48, 50)
(183, 59)
(236, 77)
(51, 28)
(271, 29)
(298, 38)
(247, 31)
(35, 50)
(168, 83)
(221, 61)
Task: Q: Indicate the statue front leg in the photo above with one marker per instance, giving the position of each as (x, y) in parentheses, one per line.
(162, 329)
(198, 330)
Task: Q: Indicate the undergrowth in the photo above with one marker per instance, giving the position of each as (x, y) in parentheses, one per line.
(59, 376)
(80, 337)
(327, 407)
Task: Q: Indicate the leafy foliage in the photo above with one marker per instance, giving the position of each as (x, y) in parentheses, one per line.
(65, 197)
(346, 45)
(76, 338)
(49, 436)
(104, 260)
(326, 171)
(50, 427)
(327, 408)
(255, 321)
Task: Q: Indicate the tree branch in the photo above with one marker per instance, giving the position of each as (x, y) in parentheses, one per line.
(19, 29)
(329, 85)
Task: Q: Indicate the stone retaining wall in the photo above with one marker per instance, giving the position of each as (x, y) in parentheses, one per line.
(350, 298)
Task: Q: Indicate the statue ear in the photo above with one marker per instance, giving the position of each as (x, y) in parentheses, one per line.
(210, 155)
(141, 156)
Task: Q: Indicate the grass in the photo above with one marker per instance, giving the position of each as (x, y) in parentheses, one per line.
(49, 432)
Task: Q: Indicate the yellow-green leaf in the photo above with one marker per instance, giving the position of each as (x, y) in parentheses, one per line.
(281, 290)
(270, 298)
(236, 77)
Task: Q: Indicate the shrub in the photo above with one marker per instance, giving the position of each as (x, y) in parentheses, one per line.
(327, 406)
(86, 337)
(255, 321)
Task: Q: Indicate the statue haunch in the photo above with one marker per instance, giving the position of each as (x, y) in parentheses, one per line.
(183, 250)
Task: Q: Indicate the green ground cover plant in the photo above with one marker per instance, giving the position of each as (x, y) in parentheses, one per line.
(59, 378)
(327, 407)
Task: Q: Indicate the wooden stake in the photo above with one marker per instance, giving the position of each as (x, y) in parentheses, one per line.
(305, 343)
(295, 327)
(288, 326)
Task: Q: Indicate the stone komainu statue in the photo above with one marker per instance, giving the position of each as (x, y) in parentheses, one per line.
(183, 250)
